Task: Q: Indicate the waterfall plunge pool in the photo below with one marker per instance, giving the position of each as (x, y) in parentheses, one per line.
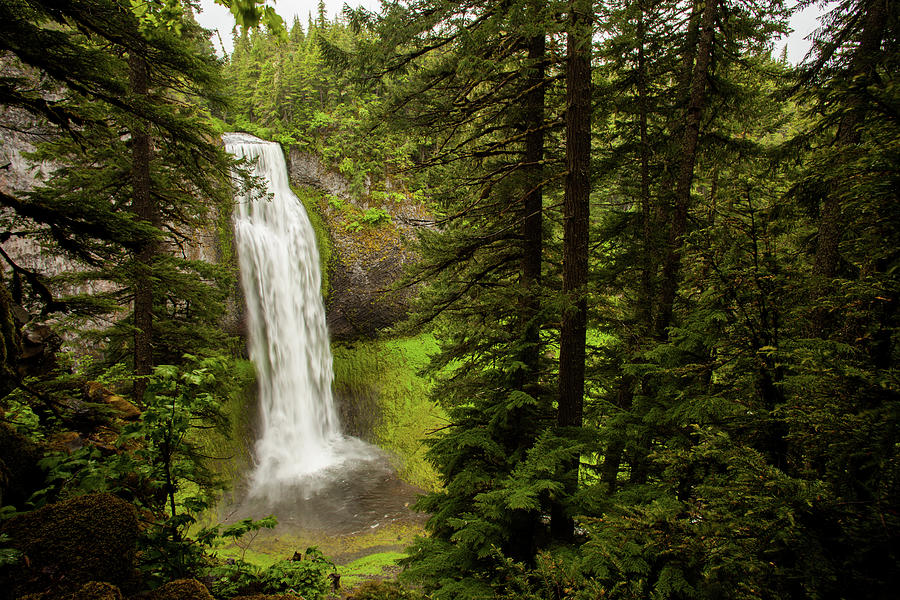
(306, 472)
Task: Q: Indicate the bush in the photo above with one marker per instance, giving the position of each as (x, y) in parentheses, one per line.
(307, 577)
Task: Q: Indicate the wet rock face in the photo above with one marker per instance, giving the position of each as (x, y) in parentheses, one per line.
(68, 544)
(307, 170)
(368, 259)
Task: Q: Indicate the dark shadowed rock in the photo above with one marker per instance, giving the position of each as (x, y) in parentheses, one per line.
(19, 473)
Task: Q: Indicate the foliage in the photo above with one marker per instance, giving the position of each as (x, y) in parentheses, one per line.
(157, 465)
(8, 556)
(296, 93)
(307, 577)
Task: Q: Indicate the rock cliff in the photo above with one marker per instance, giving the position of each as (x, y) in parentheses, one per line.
(372, 239)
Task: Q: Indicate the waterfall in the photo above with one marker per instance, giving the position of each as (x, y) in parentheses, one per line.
(288, 340)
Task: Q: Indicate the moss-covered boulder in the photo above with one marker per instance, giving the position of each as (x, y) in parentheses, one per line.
(268, 597)
(97, 590)
(19, 473)
(125, 410)
(382, 590)
(92, 590)
(70, 543)
(181, 589)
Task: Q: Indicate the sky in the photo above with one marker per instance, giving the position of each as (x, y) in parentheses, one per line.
(217, 17)
(214, 16)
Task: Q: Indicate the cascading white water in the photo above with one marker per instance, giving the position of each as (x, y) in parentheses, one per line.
(288, 339)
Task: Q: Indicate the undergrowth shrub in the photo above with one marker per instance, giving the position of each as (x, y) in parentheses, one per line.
(307, 578)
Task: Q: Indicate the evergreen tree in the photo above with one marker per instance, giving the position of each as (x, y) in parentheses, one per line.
(106, 173)
(576, 216)
(476, 80)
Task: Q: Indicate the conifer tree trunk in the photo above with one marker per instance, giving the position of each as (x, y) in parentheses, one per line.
(524, 523)
(643, 310)
(576, 216)
(10, 344)
(827, 257)
(688, 154)
(144, 208)
(532, 208)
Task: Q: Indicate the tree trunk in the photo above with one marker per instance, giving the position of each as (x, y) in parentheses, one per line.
(523, 525)
(576, 216)
(827, 257)
(533, 203)
(144, 208)
(10, 344)
(685, 173)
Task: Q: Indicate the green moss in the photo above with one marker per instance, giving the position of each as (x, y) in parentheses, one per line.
(383, 590)
(310, 199)
(367, 567)
(98, 590)
(390, 368)
(88, 538)
(268, 597)
(182, 589)
(229, 454)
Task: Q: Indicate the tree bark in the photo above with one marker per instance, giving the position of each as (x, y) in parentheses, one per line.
(145, 210)
(685, 175)
(830, 229)
(523, 525)
(533, 202)
(576, 216)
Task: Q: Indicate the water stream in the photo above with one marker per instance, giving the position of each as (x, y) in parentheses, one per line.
(304, 467)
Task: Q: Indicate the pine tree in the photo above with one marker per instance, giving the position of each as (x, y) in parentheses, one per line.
(475, 81)
(576, 217)
(103, 173)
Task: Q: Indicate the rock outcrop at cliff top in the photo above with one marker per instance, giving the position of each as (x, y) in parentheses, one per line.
(367, 259)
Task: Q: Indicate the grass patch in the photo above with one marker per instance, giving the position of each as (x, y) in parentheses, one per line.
(369, 567)
(388, 369)
(345, 550)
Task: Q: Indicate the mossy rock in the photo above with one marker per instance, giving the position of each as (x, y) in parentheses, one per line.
(382, 590)
(97, 590)
(92, 590)
(181, 589)
(68, 544)
(268, 597)
(19, 473)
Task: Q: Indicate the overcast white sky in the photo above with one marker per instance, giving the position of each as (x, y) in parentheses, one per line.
(214, 16)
